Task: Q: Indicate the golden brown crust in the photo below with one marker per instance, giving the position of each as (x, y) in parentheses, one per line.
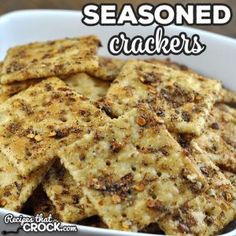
(59, 57)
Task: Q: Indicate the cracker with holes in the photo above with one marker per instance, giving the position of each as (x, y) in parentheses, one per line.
(132, 170)
(15, 189)
(52, 58)
(209, 212)
(218, 139)
(39, 120)
(70, 203)
(92, 88)
(108, 68)
(182, 99)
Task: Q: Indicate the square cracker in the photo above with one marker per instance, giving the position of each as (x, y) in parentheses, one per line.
(92, 88)
(228, 97)
(218, 139)
(16, 189)
(108, 68)
(132, 170)
(70, 203)
(182, 99)
(52, 58)
(37, 121)
(208, 213)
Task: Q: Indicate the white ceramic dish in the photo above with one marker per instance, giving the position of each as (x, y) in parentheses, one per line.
(218, 61)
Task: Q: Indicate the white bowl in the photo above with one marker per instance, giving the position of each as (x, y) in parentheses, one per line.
(218, 61)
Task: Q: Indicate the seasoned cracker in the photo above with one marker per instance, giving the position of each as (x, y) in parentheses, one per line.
(16, 189)
(39, 120)
(92, 88)
(52, 58)
(132, 170)
(209, 212)
(218, 139)
(182, 99)
(108, 68)
(228, 97)
(70, 203)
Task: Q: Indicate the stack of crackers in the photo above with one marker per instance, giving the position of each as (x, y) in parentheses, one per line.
(127, 143)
